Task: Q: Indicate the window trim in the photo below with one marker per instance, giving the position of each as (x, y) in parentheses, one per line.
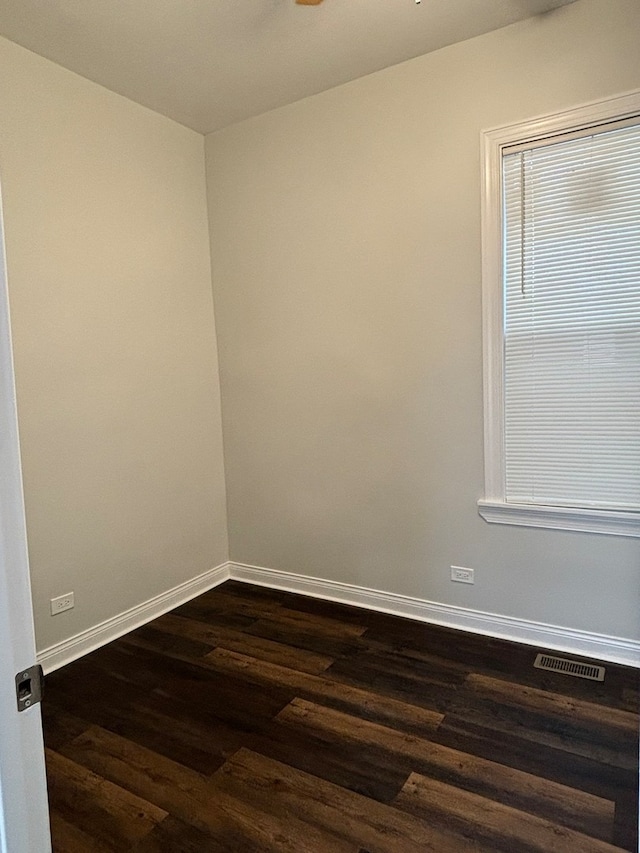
(494, 507)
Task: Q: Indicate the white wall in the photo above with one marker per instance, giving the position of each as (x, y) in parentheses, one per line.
(345, 237)
(115, 354)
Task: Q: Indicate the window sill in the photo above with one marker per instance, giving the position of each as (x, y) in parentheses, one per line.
(562, 518)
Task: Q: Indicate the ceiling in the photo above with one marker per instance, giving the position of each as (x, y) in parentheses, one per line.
(209, 63)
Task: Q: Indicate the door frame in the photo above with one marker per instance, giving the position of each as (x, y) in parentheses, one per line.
(24, 813)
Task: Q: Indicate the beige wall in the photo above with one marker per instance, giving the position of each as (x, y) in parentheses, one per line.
(345, 233)
(109, 279)
(346, 262)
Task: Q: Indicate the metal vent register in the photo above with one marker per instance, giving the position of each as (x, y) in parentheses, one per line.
(570, 667)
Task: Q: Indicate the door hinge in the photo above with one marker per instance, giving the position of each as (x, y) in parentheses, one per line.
(29, 687)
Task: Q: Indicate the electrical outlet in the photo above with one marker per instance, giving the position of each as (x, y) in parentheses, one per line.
(62, 603)
(462, 575)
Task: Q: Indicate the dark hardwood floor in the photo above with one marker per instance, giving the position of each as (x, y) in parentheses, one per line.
(251, 720)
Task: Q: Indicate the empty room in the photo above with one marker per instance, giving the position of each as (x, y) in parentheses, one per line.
(320, 388)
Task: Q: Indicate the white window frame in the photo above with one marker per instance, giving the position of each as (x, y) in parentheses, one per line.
(494, 507)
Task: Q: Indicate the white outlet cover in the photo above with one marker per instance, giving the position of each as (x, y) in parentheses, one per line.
(62, 603)
(461, 574)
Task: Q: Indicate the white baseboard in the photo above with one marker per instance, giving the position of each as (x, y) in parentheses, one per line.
(583, 643)
(570, 641)
(75, 647)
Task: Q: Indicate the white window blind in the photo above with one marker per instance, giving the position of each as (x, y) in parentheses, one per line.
(572, 322)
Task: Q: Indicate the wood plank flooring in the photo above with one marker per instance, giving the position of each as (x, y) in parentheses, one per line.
(257, 721)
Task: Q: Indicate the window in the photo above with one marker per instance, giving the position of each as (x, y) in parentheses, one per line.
(561, 291)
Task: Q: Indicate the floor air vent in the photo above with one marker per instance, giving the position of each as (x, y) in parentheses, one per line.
(570, 667)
